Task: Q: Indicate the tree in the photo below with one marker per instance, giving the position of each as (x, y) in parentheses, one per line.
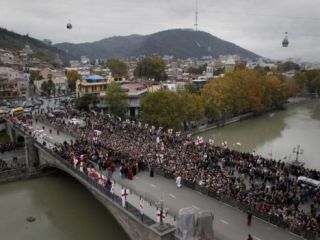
(48, 87)
(151, 68)
(243, 91)
(162, 108)
(191, 107)
(197, 70)
(72, 77)
(287, 66)
(118, 68)
(116, 100)
(86, 101)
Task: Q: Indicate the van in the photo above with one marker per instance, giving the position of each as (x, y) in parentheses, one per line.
(309, 182)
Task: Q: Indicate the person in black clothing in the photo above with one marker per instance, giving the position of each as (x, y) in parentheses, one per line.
(249, 218)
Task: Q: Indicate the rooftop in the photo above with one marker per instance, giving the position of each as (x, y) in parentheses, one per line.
(94, 78)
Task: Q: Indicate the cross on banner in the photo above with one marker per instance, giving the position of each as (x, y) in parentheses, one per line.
(160, 215)
(124, 195)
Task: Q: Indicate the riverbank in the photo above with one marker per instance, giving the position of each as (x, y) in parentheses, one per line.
(225, 122)
(23, 174)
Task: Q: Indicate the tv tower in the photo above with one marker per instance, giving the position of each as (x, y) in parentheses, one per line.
(196, 23)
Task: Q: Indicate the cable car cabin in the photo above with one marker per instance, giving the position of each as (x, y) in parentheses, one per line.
(285, 41)
(69, 26)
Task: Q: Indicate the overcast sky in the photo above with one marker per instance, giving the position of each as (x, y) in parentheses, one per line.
(256, 25)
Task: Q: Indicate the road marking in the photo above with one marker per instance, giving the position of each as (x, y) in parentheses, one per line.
(257, 238)
(195, 207)
(173, 196)
(223, 221)
(152, 185)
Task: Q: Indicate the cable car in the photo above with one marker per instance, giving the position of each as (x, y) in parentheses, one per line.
(69, 25)
(285, 41)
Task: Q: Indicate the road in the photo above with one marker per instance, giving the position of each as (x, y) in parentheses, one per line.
(229, 222)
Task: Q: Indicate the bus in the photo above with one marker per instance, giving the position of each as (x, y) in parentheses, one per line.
(2, 113)
(16, 111)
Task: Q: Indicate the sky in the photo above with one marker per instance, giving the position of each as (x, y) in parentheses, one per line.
(256, 25)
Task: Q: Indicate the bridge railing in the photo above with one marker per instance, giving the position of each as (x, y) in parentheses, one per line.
(105, 191)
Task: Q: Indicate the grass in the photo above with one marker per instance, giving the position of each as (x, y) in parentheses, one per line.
(4, 138)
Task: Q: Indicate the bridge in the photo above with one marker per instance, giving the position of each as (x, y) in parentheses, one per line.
(39, 157)
(229, 223)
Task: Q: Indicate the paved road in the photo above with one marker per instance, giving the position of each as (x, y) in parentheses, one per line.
(229, 223)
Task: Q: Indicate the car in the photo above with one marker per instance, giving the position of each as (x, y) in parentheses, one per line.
(77, 121)
(58, 113)
(59, 107)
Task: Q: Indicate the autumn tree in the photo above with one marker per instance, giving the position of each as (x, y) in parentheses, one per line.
(191, 107)
(151, 68)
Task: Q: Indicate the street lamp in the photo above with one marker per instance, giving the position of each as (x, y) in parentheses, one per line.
(298, 151)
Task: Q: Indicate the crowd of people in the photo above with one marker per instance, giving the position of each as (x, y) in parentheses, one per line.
(10, 146)
(269, 186)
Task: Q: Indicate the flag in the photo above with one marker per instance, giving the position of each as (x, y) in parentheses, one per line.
(124, 195)
(112, 187)
(141, 206)
(159, 130)
(160, 215)
(97, 132)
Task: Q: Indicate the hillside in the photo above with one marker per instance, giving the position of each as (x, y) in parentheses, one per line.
(13, 41)
(180, 43)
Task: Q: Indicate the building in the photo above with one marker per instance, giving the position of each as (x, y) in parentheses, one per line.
(92, 84)
(8, 87)
(135, 92)
(230, 65)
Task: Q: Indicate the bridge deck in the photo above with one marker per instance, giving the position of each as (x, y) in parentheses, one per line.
(229, 223)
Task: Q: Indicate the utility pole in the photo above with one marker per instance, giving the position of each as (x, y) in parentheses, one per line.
(298, 151)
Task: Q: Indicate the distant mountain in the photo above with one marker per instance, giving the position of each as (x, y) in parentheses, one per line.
(180, 43)
(13, 41)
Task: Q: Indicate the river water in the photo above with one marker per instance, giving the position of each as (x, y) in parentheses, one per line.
(275, 134)
(63, 208)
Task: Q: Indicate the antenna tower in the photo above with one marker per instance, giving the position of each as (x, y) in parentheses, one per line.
(196, 23)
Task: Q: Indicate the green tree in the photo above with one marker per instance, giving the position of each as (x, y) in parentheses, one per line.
(151, 68)
(116, 100)
(85, 102)
(287, 66)
(162, 108)
(72, 77)
(48, 87)
(118, 68)
(197, 70)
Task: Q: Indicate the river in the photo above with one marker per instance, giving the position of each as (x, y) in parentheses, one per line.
(275, 134)
(63, 209)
